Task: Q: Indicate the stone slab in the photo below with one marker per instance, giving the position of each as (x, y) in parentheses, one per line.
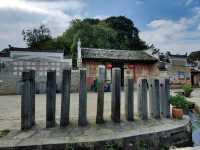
(95, 133)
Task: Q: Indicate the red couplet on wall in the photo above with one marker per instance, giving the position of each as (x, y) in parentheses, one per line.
(109, 66)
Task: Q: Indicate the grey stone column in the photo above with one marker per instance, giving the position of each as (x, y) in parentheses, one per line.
(154, 98)
(116, 94)
(166, 110)
(100, 96)
(129, 98)
(82, 121)
(26, 117)
(142, 99)
(65, 100)
(51, 99)
(33, 91)
(162, 97)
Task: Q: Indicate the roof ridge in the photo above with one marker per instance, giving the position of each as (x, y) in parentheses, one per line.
(113, 49)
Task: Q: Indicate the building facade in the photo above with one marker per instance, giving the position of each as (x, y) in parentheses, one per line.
(178, 70)
(137, 63)
(18, 60)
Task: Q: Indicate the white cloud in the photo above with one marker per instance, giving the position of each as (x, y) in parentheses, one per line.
(181, 36)
(16, 15)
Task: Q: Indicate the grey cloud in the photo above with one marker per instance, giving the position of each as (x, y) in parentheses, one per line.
(55, 15)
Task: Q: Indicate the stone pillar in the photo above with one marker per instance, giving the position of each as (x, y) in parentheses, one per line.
(162, 95)
(65, 100)
(33, 91)
(51, 99)
(166, 110)
(142, 99)
(129, 98)
(82, 121)
(154, 98)
(100, 97)
(116, 94)
(26, 117)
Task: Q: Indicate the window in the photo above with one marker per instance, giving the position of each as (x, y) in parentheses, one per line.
(57, 73)
(181, 75)
(15, 68)
(15, 73)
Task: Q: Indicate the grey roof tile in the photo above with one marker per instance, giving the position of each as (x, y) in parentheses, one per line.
(128, 55)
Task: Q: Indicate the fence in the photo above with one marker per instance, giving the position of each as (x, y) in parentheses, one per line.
(158, 90)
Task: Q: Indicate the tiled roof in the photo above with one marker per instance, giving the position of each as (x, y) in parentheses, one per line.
(177, 55)
(4, 53)
(110, 54)
(36, 50)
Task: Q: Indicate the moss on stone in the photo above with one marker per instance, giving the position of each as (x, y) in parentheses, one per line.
(4, 132)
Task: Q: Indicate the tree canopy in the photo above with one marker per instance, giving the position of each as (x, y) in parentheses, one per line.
(38, 38)
(110, 33)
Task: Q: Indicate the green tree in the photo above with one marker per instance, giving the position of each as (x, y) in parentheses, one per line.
(111, 33)
(128, 34)
(38, 37)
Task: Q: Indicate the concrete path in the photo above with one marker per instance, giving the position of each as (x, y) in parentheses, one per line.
(195, 98)
(196, 128)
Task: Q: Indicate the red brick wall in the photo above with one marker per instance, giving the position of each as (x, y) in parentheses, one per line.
(139, 70)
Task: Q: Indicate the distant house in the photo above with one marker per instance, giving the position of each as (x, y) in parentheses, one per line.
(137, 63)
(178, 70)
(13, 61)
(194, 59)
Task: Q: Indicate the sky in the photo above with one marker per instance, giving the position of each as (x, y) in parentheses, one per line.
(171, 25)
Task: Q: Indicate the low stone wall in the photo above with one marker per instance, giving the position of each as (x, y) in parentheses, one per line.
(11, 85)
(7, 86)
(137, 135)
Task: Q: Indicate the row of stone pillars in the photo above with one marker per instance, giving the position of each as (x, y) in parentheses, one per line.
(158, 98)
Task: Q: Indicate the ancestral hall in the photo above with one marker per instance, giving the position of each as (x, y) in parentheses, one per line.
(137, 63)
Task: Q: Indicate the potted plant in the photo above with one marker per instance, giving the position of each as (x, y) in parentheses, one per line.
(179, 104)
(187, 90)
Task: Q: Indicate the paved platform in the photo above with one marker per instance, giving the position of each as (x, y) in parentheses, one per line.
(10, 108)
(94, 133)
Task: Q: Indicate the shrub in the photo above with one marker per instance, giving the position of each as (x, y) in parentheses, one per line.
(187, 90)
(179, 102)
